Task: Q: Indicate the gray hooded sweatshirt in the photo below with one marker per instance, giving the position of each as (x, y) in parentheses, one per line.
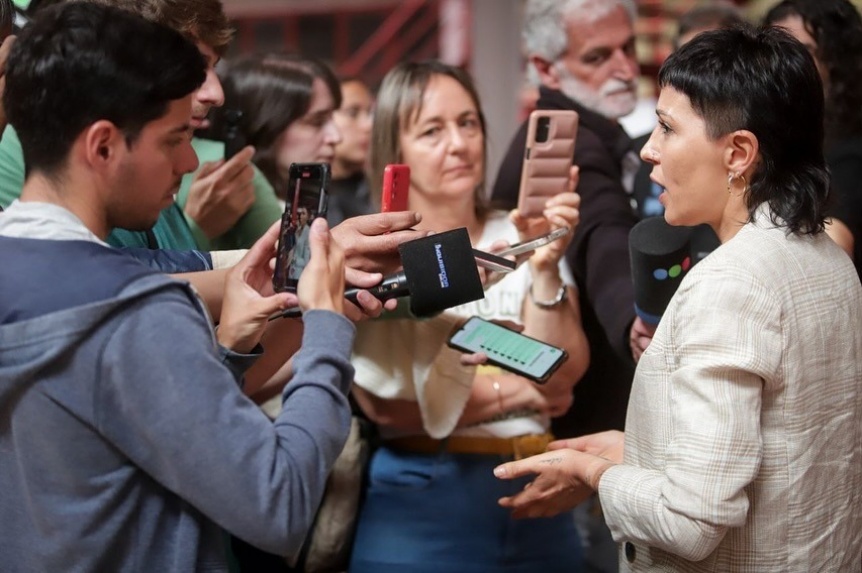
(126, 443)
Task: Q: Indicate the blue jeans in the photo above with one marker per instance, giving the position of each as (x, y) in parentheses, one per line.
(437, 513)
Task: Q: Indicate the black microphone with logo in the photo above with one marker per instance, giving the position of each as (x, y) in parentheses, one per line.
(660, 257)
(439, 272)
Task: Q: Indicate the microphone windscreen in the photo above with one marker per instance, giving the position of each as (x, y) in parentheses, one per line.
(660, 256)
(441, 272)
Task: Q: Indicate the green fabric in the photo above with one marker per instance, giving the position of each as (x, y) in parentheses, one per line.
(11, 167)
(251, 226)
(173, 230)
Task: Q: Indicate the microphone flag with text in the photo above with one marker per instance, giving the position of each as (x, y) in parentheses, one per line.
(438, 272)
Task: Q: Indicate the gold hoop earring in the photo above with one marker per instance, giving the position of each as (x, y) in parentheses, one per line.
(730, 178)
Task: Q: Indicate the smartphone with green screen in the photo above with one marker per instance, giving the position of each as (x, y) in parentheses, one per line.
(508, 349)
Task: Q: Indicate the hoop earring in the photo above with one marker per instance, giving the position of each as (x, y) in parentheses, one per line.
(730, 179)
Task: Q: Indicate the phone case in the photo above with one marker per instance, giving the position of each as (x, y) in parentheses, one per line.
(396, 184)
(547, 159)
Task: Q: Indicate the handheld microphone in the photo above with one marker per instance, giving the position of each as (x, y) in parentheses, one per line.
(660, 259)
(439, 272)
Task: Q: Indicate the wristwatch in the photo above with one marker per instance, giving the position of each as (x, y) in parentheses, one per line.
(555, 302)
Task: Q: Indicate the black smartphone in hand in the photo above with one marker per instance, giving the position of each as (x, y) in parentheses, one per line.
(306, 201)
(510, 350)
(234, 140)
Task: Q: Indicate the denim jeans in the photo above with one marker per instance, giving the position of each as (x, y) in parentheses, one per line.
(439, 513)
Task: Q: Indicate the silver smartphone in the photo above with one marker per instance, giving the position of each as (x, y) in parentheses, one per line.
(534, 243)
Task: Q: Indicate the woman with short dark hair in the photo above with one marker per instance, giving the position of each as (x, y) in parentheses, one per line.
(743, 442)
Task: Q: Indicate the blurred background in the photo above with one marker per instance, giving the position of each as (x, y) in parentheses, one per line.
(365, 38)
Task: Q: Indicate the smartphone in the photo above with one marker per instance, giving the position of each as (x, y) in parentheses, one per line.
(547, 158)
(493, 262)
(306, 201)
(508, 349)
(534, 243)
(234, 140)
(396, 184)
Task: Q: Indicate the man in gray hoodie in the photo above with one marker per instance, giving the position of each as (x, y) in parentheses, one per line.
(125, 441)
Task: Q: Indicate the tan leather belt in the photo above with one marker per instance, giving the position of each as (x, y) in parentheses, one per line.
(519, 447)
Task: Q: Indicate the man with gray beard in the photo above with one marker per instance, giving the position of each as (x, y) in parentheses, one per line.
(583, 52)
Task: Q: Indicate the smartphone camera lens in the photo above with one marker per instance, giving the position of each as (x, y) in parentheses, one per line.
(543, 129)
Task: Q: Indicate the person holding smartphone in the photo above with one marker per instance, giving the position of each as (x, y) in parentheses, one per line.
(288, 104)
(443, 424)
(128, 443)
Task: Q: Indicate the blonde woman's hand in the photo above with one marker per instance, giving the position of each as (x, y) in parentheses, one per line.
(562, 210)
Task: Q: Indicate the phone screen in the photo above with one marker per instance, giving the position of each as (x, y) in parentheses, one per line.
(508, 349)
(306, 200)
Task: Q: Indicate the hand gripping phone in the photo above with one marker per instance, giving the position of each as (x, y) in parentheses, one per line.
(547, 158)
(306, 200)
(508, 349)
(396, 184)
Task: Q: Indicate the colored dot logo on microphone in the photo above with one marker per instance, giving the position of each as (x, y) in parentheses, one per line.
(674, 271)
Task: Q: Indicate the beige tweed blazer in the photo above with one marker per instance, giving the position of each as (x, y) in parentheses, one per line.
(743, 444)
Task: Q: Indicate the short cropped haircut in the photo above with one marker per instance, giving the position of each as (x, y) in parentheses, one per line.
(272, 91)
(763, 81)
(79, 63)
(399, 102)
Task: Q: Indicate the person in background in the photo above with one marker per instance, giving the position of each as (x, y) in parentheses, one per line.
(128, 444)
(287, 103)
(832, 31)
(705, 17)
(583, 52)
(431, 500)
(223, 202)
(743, 447)
(349, 194)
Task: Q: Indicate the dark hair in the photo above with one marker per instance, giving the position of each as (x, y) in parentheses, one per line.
(272, 91)
(763, 81)
(202, 20)
(7, 18)
(708, 17)
(399, 101)
(79, 63)
(837, 28)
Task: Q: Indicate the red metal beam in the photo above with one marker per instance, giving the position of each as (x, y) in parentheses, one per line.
(381, 37)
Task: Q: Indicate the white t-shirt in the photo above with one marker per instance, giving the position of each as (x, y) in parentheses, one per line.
(408, 358)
